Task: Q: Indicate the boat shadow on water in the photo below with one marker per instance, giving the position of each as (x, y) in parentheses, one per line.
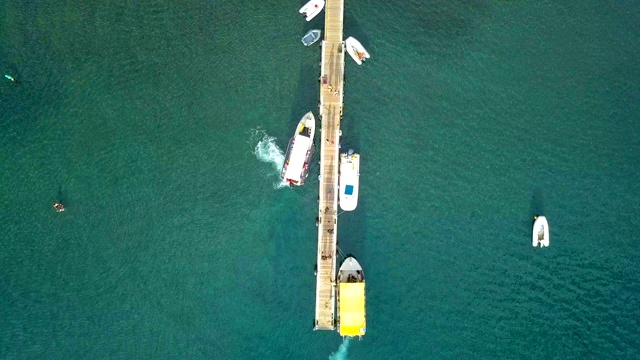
(306, 95)
(351, 232)
(352, 28)
(537, 204)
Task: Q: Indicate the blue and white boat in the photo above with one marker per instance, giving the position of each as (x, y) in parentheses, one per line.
(349, 180)
(311, 37)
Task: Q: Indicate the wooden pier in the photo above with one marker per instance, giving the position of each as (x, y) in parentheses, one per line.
(330, 109)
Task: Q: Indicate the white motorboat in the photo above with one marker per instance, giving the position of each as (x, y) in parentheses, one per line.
(296, 163)
(358, 53)
(311, 9)
(352, 320)
(349, 180)
(311, 37)
(540, 232)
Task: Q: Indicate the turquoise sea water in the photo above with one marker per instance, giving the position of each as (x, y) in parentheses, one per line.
(159, 125)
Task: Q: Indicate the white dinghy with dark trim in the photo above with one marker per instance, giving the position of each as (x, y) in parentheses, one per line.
(358, 53)
(540, 232)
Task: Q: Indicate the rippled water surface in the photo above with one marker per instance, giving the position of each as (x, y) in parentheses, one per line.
(159, 124)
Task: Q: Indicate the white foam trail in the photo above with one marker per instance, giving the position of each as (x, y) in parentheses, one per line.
(341, 354)
(267, 151)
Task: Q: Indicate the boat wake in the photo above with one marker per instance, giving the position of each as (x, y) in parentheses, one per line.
(268, 152)
(341, 354)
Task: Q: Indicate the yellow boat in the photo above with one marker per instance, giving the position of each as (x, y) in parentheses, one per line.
(351, 299)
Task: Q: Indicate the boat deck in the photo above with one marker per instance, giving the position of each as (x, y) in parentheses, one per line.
(330, 109)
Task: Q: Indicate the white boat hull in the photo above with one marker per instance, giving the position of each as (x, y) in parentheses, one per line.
(312, 9)
(298, 158)
(349, 181)
(357, 52)
(540, 234)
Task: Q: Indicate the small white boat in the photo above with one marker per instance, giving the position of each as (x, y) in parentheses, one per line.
(296, 164)
(358, 53)
(540, 232)
(311, 37)
(349, 180)
(352, 320)
(311, 9)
